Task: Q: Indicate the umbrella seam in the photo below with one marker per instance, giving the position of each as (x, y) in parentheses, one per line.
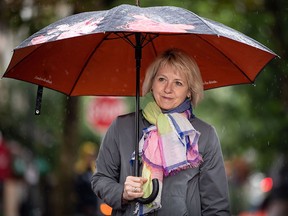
(223, 54)
(86, 63)
(38, 46)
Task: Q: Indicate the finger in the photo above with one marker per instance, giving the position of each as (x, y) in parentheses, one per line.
(135, 189)
(143, 180)
(132, 193)
(135, 181)
(140, 180)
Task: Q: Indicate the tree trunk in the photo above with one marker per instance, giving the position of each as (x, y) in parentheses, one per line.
(64, 198)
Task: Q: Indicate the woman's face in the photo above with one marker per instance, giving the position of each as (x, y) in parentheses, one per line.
(170, 88)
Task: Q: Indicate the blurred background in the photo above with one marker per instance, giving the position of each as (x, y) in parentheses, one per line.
(46, 161)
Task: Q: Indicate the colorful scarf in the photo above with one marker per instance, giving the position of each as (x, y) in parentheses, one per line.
(168, 146)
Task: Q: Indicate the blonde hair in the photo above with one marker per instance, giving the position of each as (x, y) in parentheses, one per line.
(182, 63)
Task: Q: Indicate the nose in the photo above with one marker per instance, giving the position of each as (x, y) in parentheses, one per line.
(168, 88)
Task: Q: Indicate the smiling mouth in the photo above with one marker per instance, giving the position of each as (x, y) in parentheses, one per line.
(167, 98)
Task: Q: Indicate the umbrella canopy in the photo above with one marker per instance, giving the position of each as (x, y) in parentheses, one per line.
(92, 53)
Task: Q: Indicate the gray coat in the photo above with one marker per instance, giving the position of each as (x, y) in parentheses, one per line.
(194, 192)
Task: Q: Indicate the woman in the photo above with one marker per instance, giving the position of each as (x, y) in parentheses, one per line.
(176, 147)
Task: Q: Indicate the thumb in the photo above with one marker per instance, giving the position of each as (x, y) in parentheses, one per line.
(144, 180)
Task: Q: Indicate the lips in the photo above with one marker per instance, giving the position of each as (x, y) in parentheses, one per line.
(166, 98)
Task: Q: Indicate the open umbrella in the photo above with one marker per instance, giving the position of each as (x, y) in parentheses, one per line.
(94, 53)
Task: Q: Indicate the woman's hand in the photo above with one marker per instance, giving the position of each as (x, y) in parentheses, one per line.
(133, 187)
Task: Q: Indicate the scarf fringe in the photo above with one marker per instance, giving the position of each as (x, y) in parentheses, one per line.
(193, 164)
(188, 164)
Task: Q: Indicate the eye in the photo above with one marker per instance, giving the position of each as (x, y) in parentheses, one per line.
(161, 79)
(178, 83)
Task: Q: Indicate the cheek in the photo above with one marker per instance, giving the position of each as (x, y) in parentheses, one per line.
(154, 86)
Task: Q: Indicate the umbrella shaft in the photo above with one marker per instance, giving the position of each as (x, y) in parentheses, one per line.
(138, 56)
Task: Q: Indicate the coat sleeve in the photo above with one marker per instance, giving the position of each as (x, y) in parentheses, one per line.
(105, 181)
(213, 180)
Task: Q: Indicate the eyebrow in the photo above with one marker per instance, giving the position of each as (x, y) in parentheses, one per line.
(160, 74)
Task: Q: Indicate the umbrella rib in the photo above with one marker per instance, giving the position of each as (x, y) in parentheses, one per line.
(86, 63)
(150, 39)
(125, 37)
(38, 46)
(223, 54)
(144, 41)
(152, 43)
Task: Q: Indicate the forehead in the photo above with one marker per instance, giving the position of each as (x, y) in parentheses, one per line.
(171, 69)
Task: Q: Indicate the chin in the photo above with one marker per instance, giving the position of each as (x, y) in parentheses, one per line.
(166, 108)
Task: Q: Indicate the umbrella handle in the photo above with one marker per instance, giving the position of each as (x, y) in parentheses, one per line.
(153, 195)
(38, 100)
